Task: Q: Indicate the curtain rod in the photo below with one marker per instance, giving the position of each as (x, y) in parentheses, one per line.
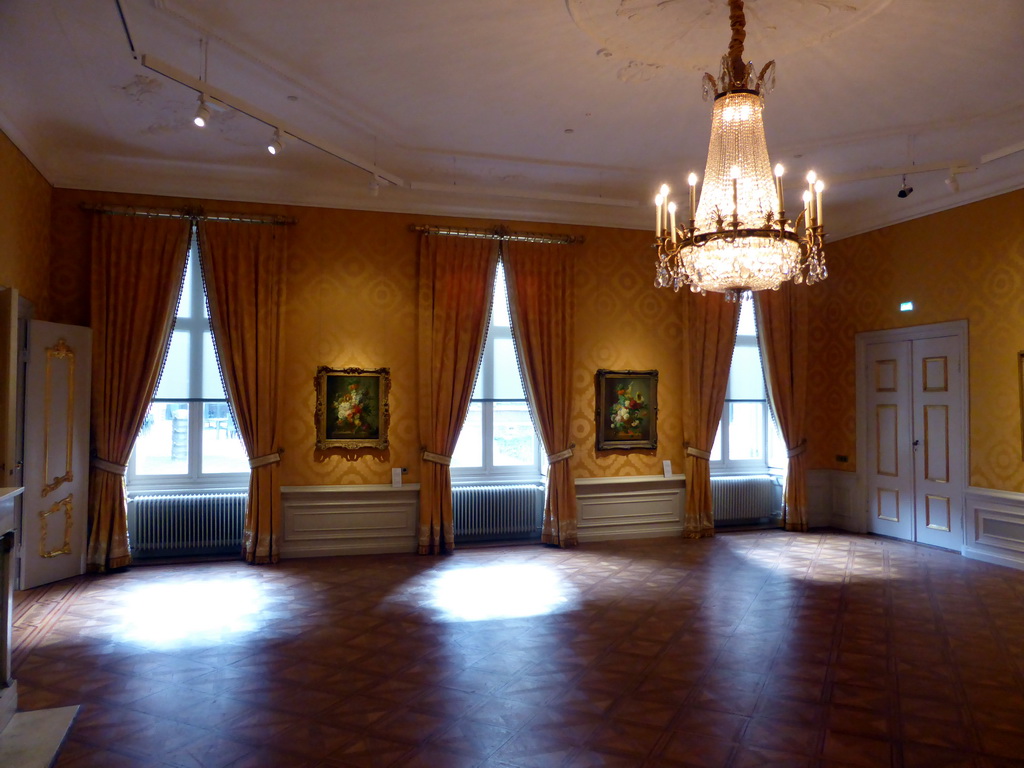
(195, 214)
(500, 233)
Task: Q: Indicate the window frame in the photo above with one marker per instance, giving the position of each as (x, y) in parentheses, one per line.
(485, 380)
(773, 461)
(196, 325)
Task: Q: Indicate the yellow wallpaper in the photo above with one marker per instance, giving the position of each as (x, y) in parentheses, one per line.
(351, 302)
(940, 264)
(25, 228)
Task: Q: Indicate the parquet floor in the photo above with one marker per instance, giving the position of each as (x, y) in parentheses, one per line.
(749, 649)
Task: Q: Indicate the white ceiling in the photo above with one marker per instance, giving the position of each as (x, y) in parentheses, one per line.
(570, 111)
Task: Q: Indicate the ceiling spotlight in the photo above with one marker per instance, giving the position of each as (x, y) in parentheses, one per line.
(904, 190)
(953, 183)
(275, 144)
(202, 113)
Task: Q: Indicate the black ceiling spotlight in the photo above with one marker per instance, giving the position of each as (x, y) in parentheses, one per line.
(904, 190)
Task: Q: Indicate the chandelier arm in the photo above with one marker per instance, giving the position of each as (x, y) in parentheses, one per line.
(738, 22)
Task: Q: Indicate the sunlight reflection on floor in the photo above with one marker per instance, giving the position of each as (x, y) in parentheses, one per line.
(500, 592)
(167, 614)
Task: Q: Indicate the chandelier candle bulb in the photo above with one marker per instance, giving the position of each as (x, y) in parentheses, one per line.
(658, 200)
(807, 211)
(819, 185)
(672, 220)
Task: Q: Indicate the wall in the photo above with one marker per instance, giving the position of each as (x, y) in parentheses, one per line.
(351, 297)
(966, 263)
(24, 227)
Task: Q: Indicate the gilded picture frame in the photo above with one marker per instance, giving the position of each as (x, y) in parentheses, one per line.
(352, 408)
(627, 409)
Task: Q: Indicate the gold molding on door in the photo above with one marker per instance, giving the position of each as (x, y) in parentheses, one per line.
(67, 504)
(896, 506)
(926, 383)
(893, 471)
(928, 513)
(928, 410)
(59, 351)
(888, 367)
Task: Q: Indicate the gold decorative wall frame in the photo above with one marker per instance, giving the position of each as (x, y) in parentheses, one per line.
(67, 504)
(352, 409)
(59, 351)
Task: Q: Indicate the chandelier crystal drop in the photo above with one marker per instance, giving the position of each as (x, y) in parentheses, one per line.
(738, 238)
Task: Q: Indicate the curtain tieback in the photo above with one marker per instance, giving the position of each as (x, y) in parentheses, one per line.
(794, 452)
(262, 461)
(109, 466)
(436, 458)
(697, 453)
(554, 458)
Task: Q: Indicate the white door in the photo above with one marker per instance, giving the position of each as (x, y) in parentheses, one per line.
(938, 447)
(890, 466)
(56, 472)
(914, 421)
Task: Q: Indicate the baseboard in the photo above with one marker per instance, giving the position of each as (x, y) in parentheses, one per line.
(328, 520)
(615, 508)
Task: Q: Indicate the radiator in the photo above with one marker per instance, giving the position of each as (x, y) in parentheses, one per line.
(483, 512)
(166, 525)
(745, 500)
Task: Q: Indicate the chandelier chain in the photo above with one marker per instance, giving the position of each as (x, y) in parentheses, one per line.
(738, 23)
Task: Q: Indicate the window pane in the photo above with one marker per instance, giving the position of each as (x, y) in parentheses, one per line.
(222, 447)
(162, 446)
(747, 324)
(746, 431)
(514, 439)
(507, 384)
(716, 448)
(746, 379)
(174, 379)
(469, 451)
(213, 387)
(499, 307)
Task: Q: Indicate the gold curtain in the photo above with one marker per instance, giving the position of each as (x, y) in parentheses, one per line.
(782, 334)
(243, 266)
(710, 335)
(541, 299)
(455, 290)
(137, 268)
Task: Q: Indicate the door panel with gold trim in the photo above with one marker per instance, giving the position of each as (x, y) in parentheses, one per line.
(56, 475)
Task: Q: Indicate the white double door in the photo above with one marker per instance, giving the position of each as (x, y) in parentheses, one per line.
(913, 385)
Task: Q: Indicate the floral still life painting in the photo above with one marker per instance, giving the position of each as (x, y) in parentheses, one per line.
(627, 409)
(352, 407)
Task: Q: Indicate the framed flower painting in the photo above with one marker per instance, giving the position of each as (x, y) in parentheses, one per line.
(352, 407)
(627, 409)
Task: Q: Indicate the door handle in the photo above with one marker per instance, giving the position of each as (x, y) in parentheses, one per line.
(916, 443)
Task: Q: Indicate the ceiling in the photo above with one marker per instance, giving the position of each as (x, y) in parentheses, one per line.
(568, 111)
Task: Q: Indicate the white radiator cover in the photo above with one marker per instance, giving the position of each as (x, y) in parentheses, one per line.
(739, 499)
(497, 511)
(179, 524)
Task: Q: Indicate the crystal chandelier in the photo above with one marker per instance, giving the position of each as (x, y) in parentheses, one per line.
(738, 238)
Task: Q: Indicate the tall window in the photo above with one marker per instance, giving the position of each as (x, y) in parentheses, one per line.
(498, 439)
(188, 437)
(747, 439)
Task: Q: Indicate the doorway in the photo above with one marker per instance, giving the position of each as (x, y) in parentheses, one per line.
(912, 431)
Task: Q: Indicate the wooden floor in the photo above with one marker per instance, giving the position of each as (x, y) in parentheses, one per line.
(749, 649)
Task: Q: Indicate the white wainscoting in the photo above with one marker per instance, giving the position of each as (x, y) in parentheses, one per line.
(324, 520)
(994, 527)
(630, 507)
(832, 496)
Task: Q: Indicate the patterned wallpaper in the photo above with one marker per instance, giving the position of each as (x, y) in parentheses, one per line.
(938, 263)
(351, 301)
(25, 233)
